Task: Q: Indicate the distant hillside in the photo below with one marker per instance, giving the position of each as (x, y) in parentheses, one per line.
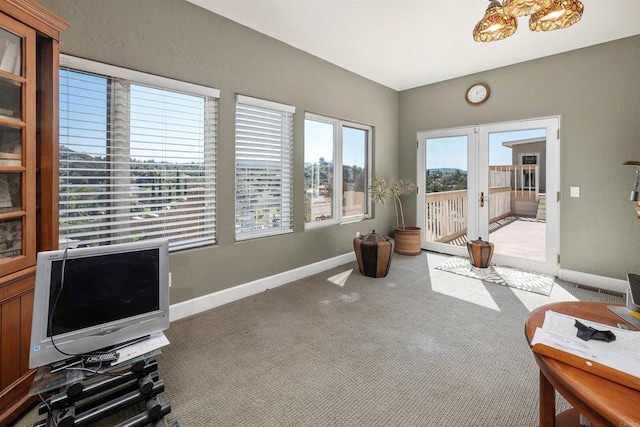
(446, 179)
(447, 170)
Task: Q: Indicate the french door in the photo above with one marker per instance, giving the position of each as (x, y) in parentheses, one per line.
(498, 182)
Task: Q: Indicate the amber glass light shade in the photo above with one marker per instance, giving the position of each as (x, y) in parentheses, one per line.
(524, 7)
(495, 25)
(559, 14)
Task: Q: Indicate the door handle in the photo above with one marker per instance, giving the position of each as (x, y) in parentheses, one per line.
(482, 199)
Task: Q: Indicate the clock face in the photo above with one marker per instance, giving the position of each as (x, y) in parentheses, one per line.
(477, 94)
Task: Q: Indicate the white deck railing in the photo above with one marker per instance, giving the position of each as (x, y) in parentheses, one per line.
(446, 211)
(523, 179)
(446, 215)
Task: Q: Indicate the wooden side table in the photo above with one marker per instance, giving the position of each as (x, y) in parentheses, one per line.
(603, 402)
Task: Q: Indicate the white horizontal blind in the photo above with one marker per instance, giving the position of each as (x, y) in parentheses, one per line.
(264, 168)
(136, 162)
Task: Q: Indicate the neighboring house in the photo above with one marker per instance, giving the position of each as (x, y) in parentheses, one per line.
(530, 152)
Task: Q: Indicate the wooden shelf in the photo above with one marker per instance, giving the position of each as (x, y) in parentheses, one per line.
(14, 77)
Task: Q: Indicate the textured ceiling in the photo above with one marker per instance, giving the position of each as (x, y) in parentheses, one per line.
(408, 43)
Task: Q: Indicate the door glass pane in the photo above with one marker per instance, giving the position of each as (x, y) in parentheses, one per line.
(354, 172)
(446, 190)
(318, 170)
(10, 146)
(517, 198)
(10, 238)
(10, 99)
(10, 53)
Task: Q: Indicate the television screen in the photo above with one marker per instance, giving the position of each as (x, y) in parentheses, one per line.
(90, 299)
(102, 289)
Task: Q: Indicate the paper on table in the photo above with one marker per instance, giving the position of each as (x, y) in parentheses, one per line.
(559, 331)
(155, 341)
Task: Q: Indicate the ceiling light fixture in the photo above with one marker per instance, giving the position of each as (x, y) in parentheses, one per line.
(495, 25)
(499, 21)
(559, 14)
(524, 7)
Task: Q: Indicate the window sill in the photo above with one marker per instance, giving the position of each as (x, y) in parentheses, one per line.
(355, 219)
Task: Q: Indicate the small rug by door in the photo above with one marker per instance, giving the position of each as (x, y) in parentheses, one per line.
(508, 276)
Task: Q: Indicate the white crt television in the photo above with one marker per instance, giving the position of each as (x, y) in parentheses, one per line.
(88, 299)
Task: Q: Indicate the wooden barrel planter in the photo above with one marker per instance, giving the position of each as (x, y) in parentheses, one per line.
(407, 240)
(373, 253)
(480, 252)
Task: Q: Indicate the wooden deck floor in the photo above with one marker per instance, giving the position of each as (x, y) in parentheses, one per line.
(516, 236)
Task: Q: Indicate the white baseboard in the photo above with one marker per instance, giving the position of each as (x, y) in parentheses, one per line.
(225, 296)
(602, 282)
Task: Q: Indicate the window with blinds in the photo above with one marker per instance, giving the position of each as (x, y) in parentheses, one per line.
(264, 168)
(137, 157)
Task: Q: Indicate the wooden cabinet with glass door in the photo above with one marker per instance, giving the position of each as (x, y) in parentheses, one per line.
(28, 180)
(17, 145)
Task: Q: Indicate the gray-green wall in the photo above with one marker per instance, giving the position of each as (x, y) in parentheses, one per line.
(175, 39)
(596, 91)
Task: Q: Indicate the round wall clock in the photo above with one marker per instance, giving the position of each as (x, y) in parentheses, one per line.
(477, 94)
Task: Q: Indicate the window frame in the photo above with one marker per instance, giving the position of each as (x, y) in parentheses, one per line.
(107, 70)
(338, 126)
(137, 78)
(526, 176)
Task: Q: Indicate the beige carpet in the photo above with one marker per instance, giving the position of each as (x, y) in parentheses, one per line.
(421, 347)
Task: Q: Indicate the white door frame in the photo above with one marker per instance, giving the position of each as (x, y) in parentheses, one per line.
(478, 218)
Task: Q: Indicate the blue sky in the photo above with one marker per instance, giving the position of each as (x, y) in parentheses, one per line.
(451, 152)
(441, 152)
(163, 125)
(318, 142)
